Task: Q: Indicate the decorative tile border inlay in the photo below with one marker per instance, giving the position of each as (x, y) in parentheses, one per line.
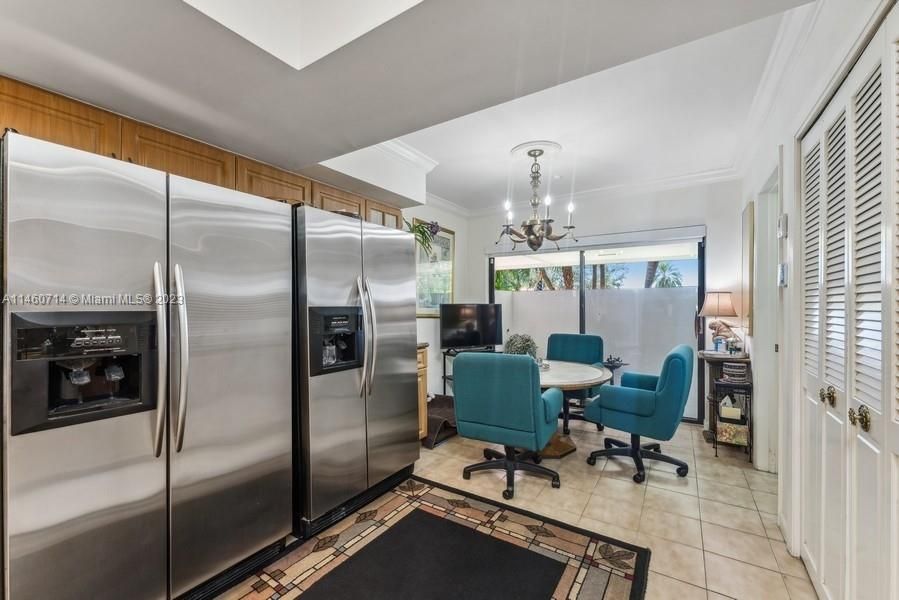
(596, 568)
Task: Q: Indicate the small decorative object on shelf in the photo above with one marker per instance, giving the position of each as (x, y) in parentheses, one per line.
(520, 343)
(613, 362)
(735, 372)
(723, 334)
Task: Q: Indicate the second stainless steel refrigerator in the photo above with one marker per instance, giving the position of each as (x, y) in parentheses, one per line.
(357, 411)
(147, 445)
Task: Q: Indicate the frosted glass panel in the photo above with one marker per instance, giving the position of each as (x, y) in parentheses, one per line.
(539, 314)
(641, 325)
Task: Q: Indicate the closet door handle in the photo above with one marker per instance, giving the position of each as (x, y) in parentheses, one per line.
(864, 418)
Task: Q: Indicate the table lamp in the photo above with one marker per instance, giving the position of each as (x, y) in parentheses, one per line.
(720, 304)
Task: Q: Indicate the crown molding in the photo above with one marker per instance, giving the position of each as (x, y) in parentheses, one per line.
(405, 152)
(792, 34)
(625, 189)
(436, 201)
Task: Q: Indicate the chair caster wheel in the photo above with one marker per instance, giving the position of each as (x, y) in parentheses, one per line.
(607, 443)
(487, 454)
(466, 476)
(566, 431)
(591, 460)
(557, 483)
(508, 494)
(600, 427)
(682, 471)
(538, 459)
(639, 477)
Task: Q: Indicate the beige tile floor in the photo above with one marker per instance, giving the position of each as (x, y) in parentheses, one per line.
(713, 534)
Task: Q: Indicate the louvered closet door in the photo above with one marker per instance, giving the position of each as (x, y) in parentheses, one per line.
(869, 539)
(811, 411)
(833, 297)
(824, 281)
(891, 408)
(850, 462)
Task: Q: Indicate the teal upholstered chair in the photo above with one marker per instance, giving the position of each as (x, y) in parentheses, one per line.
(645, 405)
(579, 348)
(498, 400)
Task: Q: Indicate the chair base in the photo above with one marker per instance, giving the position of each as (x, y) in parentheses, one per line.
(567, 415)
(638, 452)
(511, 461)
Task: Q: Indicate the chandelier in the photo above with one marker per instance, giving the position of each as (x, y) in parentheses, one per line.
(535, 231)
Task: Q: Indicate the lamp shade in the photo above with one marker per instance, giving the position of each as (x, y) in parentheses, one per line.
(718, 304)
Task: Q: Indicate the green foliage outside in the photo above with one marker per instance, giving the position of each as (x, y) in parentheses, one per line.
(667, 276)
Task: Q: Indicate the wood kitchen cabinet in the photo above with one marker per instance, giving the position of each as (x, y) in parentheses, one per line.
(422, 392)
(335, 200)
(44, 115)
(383, 214)
(340, 201)
(269, 182)
(48, 116)
(160, 149)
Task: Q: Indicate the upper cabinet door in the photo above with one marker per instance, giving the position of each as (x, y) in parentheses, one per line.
(339, 201)
(262, 180)
(177, 155)
(383, 214)
(47, 116)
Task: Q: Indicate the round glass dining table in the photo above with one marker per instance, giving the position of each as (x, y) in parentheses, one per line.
(569, 376)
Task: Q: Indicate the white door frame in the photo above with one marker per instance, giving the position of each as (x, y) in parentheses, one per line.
(768, 311)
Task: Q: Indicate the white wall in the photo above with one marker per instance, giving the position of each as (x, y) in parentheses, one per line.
(821, 37)
(429, 329)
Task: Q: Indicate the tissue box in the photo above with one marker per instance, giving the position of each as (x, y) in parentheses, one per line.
(732, 412)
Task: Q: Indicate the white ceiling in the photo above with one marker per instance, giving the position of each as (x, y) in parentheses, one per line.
(164, 62)
(676, 114)
(299, 32)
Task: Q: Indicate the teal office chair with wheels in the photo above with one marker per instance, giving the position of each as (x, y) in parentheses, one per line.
(579, 348)
(645, 405)
(498, 400)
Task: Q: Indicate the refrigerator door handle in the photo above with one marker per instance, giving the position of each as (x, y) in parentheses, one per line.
(374, 335)
(184, 353)
(365, 333)
(162, 346)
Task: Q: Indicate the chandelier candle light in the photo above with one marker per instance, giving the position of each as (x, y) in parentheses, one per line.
(535, 230)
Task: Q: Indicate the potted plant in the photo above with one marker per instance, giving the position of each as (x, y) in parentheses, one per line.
(424, 233)
(520, 343)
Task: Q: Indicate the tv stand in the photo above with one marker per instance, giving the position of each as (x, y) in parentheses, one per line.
(454, 352)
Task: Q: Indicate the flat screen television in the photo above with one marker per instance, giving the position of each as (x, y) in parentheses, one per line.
(470, 325)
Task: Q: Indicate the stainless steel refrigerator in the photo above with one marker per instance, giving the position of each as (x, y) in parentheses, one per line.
(357, 423)
(147, 445)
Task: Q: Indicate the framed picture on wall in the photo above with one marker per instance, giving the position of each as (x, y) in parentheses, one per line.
(748, 260)
(435, 273)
